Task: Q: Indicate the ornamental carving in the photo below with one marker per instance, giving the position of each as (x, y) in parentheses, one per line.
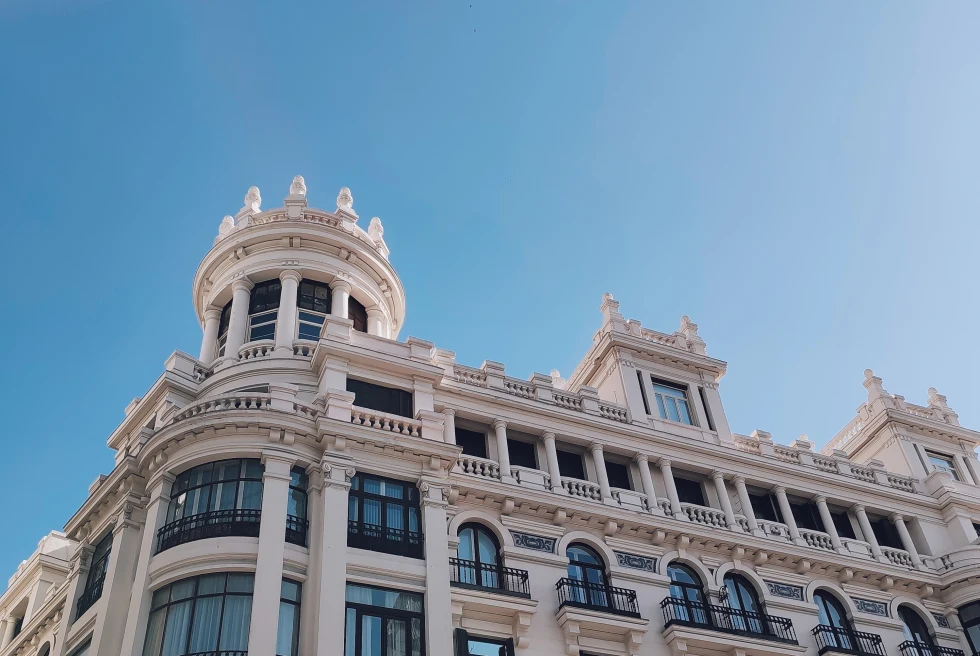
(533, 542)
(634, 561)
(941, 620)
(777, 589)
(871, 607)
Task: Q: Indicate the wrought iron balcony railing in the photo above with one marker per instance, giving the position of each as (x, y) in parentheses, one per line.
(912, 648)
(93, 592)
(595, 596)
(727, 620)
(470, 574)
(297, 529)
(846, 641)
(384, 539)
(217, 523)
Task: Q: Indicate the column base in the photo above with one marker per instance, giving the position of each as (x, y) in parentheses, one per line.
(282, 352)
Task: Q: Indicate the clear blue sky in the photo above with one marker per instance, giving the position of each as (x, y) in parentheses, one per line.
(802, 179)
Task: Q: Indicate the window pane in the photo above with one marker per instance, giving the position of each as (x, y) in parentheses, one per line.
(394, 490)
(175, 633)
(682, 409)
(207, 619)
(396, 634)
(477, 647)
(241, 583)
(182, 590)
(660, 406)
(288, 631)
(416, 637)
(372, 512)
(234, 624)
(211, 584)
(370, 636)
(350, 633)
(290, 590)
(251, 495)
(372, 486)
(352, 509)
(154, 633)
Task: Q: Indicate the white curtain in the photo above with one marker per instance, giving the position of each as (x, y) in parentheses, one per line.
(234, 627)
(396, 638)
(175, 633)
(207, 618)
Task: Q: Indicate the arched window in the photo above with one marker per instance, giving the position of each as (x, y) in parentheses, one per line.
(834, 628)
(45, 650)
(970, 618)
(478, 557)
(587, 573)
(742, 598)
(687, 595)
(918, 641)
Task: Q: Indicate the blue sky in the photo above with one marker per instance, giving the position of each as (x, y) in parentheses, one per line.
(800, 178)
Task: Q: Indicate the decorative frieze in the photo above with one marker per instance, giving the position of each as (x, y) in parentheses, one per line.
(634, 561)
(871, 607)
(777, 589)
(533, 542)
(941, 620)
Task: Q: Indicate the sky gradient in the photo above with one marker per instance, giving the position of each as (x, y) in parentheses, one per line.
(799, 178)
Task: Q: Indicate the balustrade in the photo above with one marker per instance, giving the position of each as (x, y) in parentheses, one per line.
(817, 539)
(479, 467)
(898, 557)
(728, 620)
(579, 488)
(221, 403)
(386, 422)
(774, 529)
(703, 515)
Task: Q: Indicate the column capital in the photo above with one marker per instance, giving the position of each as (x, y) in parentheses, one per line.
(277, 465)
(339, 284)
(212, 313)
(858, 508)
(819, 499)
(717, 474)
(242, 284)
(498, 424)
(664, 462)
(548, 436)
(374, 311)
(595, 446)
(738, 479)
(449, 412)
(778, 490)
(290, 274)
(895, 518)
(641, 458)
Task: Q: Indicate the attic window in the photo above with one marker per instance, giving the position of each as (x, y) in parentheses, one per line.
(943, 463)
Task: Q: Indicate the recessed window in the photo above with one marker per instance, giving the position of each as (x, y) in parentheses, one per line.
(297, 524)
(671, 401)
(357, 314)
(764, 507)
(618, 475)
(383, 515)
(380, 621)
(571, 465)
(886, 533)
(468, 645)
(970, 619)
(943, 463)
(313, 301)
(806, 516)
(474, 443)
(96, 575)
(223, 323)
(522, 454)
(383, 399)
(843, 524)
(689, 491)
(287, 639)
(263, 307)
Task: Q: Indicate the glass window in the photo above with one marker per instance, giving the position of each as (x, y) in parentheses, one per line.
(571, 465)
(204, 614)
(764, 506)
(217, 498)
(618, 475)
(313, 301)
(689, 491)
(742, 598)
(383, 515)
(522, 454)
(842, 522)
(916, 632)
(835, 628)
(687, 591)
(223, 323)
(80, 651)
(357, 313)
(96, 575)
(383, 399)
(587, 576)
(473, 443)
(886, 533)
(807, 516)
(970, 618)
(383, 622)
(943, 463)
(262, 310)
(296, 508)
(467, 645)
(287, 640)
(478, 557)
(671, 402)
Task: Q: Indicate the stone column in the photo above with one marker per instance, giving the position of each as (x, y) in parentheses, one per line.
(449, 426)
(340, 293)
(374, 321)
(139, 601)
(272, 546)
(209, 343)
(787, 512)
(8, 631)
(333, 569)
(646, 480)
(310, 601)
(866, 531)
(599, 462)
(725, 500)
(118, 585)
(77, 575)
(746, 503)
(675, 502)
(238, 322)
(438, 607)
(903, 534)
(503, 455)
(286, 316)
(551, 455)
(828, 521)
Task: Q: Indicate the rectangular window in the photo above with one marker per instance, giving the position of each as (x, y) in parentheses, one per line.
(287, 640)
(707, 409)
(522, 454)
(943, 463)
(96, 575)
(263, 307)
(843, 524)
(470, 645)
(473, 443)
(807, 516)
(671, 401)
(689, 491)
(643, 391)
(383, 515)
(885, 532)
(571, 465)
(618, 475)
(313, 301)
(764, 506)
(383, 399)
(223, 323)
(383, 622)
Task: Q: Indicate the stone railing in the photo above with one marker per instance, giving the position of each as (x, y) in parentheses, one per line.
(786, 454)
(866, 474)
(469, 376)
(630, 499)
(898, 557)
(305, 410)
(201, 374)
(519, 388)
(665, 506)
(384, 421)
(702, 515)
(747, 444)
(255, 350)
(570, 401)
(481, 467)
(773, 529)
(857, 547)
(222, 403)
(614, 412)
(906, 483)
(579, 488)
(531, 477)
(304, 349)
(823, 463)
(742, 522)
(817, 539)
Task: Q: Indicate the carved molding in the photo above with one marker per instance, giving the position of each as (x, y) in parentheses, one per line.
(786, 590)
(871, 607)
(533, 542)
(634, 561)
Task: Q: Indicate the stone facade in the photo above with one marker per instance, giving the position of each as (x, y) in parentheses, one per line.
(541, 516)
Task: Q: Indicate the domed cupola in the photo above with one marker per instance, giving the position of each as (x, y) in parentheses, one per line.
(272, 276)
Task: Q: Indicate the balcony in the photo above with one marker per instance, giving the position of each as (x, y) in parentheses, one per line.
(371, 537)
(727, 620)
(492, 578)
(93, 592)
(912, 648)
(297, 529)
(595, 596)
(217, 523)
(843, 641)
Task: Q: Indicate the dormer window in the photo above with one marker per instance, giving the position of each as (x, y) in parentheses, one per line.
(671, 401)
(263, 307)
(314, 305)
(943, 463)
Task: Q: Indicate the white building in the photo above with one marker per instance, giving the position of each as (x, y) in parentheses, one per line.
(612, 513)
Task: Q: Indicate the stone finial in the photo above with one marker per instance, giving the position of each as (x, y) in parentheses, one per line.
(688, 327)
(298, 187)
(376, 231)
(936, 399)
(227, 225)
(689, 330)
(345, 201)
(557, 381)
(610, 310)
(253, 200)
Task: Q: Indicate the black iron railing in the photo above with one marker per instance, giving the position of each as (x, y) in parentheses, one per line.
(384, 539)
(223, 652)
(912, 648)
(217, 523)
(847, 641)
(93, 592)
(596, 596)
(727, 620)
(297, 529)
(467, 573)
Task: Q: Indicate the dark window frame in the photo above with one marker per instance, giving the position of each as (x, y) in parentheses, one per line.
(565, 458)
(522, 460)
(462, 638)
(297, 616)
(298, 508)
(358, 314)
(381, 398)
(95, 580)
(691, 609)
(223, 322)
(385, 614)
(683, 489)
(623, 475)
(381, 537)
(469, 439)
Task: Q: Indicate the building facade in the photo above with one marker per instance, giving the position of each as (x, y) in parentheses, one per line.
(310, 486)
